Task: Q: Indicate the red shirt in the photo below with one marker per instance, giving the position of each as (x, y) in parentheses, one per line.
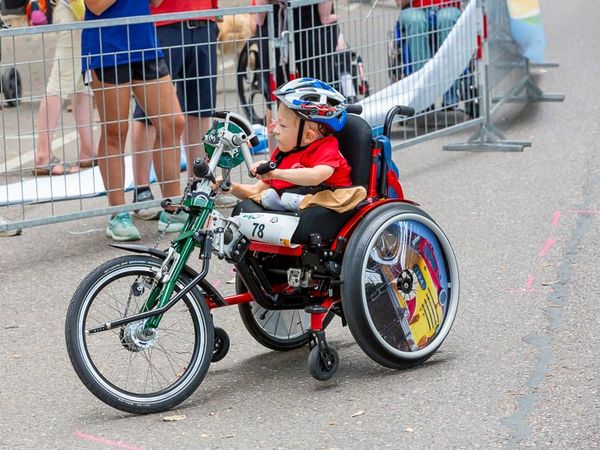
(171, 6)
(323, 152)
(428, 3)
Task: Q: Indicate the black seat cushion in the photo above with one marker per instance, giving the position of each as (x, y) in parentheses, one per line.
(355, 144)
(315, 219)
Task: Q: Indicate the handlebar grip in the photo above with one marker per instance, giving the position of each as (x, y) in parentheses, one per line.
(200, 168)
(266, 167)
(225, 185)
(406, 111)
(354, 109)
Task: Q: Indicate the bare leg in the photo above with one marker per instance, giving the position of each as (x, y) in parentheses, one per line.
(113, 108)
(196, 127)
(83, 112)
(159, 101)
(48, 117)
(142, 142)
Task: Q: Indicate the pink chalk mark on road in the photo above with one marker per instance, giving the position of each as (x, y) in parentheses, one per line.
(529, 289)
(103, 441)
(555, 218)
(529, 283)
(547, 246)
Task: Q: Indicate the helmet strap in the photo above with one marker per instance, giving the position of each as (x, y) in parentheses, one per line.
(300, 133)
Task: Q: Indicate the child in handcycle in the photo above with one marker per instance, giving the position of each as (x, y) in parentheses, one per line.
(307, 159)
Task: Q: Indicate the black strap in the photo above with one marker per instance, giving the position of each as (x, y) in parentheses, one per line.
(279, 157)
(300, 133)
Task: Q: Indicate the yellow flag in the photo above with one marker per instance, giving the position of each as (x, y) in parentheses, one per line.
(78, 8)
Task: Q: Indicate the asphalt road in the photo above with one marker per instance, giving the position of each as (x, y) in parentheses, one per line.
(519, 368)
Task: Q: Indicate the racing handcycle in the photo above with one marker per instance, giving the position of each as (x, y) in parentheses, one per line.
(139, 329)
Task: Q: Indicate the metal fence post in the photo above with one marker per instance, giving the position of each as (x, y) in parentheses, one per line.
(487, 137)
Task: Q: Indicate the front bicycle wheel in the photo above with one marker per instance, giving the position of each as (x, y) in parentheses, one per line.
(400, 285)
(133, 367)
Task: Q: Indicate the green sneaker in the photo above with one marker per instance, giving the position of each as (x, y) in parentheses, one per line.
(120, 228)
(172, 223)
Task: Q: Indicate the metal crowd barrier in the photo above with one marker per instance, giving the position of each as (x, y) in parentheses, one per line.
(372, 64)
(28, 197)
(439, 61)
(505, 77)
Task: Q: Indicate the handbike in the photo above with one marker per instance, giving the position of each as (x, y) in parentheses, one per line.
(139, 329)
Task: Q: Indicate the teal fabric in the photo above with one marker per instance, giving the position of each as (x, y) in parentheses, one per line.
(416, 30)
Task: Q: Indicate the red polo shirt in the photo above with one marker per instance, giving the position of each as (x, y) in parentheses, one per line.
(171, 6)
(324, 152)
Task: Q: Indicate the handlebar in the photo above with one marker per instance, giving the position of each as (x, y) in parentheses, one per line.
(240, 122)
(354, 108)
(266, 167)
(406, 111)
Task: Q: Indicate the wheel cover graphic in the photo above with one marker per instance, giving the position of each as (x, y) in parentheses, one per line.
(406, 285)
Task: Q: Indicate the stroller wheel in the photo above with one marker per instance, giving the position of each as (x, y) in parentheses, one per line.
(11, 86)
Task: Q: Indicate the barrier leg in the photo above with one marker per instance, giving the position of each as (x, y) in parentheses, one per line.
(488, 137)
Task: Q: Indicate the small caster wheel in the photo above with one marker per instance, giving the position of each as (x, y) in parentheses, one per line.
(221, 345)
(323, 367)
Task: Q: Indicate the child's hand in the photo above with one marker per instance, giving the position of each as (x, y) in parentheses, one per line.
(255, 165)
(218, 180)
(271, 175)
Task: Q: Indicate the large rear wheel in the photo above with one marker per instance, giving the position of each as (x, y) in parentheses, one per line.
(400, 285)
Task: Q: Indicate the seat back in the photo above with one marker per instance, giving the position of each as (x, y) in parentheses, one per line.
(355, 143)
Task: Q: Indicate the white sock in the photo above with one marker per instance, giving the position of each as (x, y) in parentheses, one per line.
(290, 201)
(270, 200)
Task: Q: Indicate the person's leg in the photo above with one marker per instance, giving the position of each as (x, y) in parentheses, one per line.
(158, 99)
(446, 18)
(113, 108)
(84, 119)
(61, 83)
(198, 96)
(142, 142)
(48, 118)
(415, 26)
(143, 132)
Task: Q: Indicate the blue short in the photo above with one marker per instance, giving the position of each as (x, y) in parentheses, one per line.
(190, 52)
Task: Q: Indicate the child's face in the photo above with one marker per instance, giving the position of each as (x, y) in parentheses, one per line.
(286, 129)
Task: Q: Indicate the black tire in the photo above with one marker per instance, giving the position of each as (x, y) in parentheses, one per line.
(269, 327)
(250, 83)
(398, 258)
(221, 345)
(182, 344)
(469, 92)
(12, 86)
(323, 369)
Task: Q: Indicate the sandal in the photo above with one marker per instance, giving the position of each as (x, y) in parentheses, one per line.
(87, 163)
(47, 170)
